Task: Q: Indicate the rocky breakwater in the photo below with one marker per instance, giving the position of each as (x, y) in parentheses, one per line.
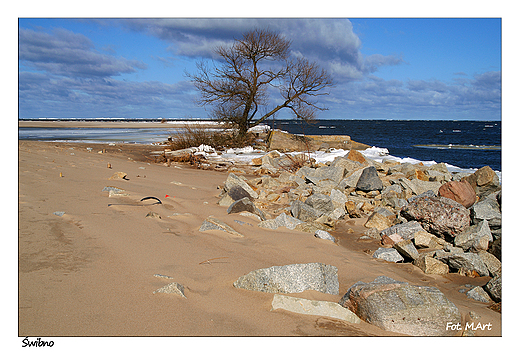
(441, 222)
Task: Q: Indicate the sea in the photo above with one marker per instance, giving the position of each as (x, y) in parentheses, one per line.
(462, 144)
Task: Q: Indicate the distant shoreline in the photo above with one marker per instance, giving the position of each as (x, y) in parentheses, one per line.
(113, 124)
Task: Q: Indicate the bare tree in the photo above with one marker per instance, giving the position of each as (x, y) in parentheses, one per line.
(238, 86)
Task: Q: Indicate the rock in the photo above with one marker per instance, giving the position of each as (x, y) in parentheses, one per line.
(469, 262)
(459, 191)
(233, 180)
(315, 308)
(438, 215)
(281, 221)
(303, 211)
(484, 181)
(153, 215)
(338, 197)
(114, 190)
(321, 203)
(430, 265)
(378, 221)
(312, 227)
(391, 239)
(423, 186)
(407, 249)
(292, 278)
(405, 230)
(245, 204)
(496, 248)
(173, 287)
(403, 308)
(369, 180)
(237, 192)
(283, 141)
(494, 288)
(478, 294)
(417, 174)
(423, 239)
(348, 164)
(321, 234)
(59, 213)
(119, 176)
(212, 223)
(333, 173)
(407, 186)
(350, 180)
(388, 254)
(435, 175)
(492, 263)
(487, 209)
(471, 237)
(356, 156)
(225, 200)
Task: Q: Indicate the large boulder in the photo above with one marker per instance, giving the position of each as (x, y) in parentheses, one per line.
(438, 215)
(292, 278)
(313, 307)
(402, 308)
(369, 180)
(459, 191)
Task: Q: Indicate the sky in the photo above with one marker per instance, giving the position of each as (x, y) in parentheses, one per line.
(389, 68)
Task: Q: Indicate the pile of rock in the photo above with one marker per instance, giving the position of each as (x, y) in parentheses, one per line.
(439, 221)
(389, 304)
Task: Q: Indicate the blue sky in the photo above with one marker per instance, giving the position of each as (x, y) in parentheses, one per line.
(398, 68)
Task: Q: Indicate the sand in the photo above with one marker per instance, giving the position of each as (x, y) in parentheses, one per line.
(91, 271)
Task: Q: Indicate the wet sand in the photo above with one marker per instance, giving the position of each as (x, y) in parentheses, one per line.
(91, 271)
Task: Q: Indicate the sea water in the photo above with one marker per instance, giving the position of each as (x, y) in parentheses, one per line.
(465, 144)
(468, 145)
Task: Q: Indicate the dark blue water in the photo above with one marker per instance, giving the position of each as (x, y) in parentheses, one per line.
(474, 144)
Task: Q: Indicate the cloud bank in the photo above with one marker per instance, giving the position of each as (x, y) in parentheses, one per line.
(62, 74)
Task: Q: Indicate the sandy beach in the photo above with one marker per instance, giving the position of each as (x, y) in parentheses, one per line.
(90, 272)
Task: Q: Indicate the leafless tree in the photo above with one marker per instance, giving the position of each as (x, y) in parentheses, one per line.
(237, 86)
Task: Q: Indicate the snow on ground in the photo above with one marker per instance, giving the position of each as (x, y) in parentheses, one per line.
(247, 154)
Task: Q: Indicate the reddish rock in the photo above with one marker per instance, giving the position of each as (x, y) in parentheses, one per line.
(441, 216)
(354, 155)
(391, 239)
(459, 191)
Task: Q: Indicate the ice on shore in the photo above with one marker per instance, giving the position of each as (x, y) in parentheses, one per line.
(247, 154)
